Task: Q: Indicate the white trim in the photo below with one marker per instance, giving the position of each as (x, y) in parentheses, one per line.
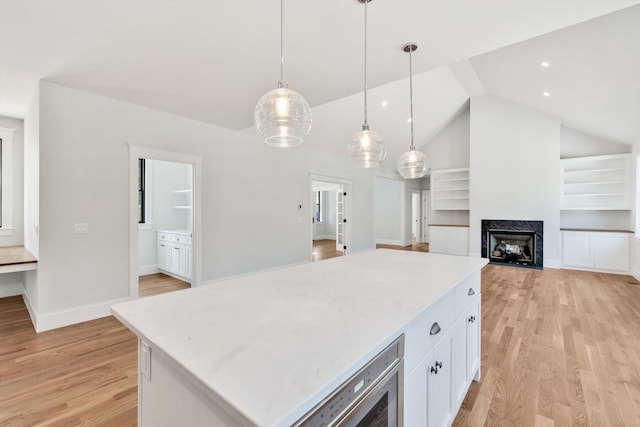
(71, 316)
(252, 273)
(30, 309)
(12, 268)
(145, 226)
(136, 152)
(389, 242)
(635, 273)
(11, 289)
(346, 187)
(6, 135)
(325, 236)
(594, 270)
(145, 270)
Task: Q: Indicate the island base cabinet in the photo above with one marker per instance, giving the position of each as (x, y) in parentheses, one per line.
(472, 320)
(184, 405)
(439, 369)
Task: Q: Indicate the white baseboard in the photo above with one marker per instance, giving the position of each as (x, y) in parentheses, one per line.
(475, 254)
(635, 273)
(325, 237)
(70, 316)
(30, 309)
(144, 270)
(389, 242)
(596, 270)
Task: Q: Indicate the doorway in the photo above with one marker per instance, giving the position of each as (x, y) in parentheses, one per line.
(416, 217)
(165, 218)
(329, 217)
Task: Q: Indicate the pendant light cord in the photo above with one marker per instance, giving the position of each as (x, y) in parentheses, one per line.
(282, 83)
(365, 125)
(411, 94)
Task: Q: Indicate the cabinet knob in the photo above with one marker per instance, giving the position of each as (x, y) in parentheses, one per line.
(435, 329)
(438, 365)
(472, 319)
(471, 291)
(434, 370)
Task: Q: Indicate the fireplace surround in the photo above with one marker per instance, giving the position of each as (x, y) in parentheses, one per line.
(513, 242)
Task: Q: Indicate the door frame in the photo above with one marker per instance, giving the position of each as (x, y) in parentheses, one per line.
(136, 152)
(346, 187)
(425, 208)
(419, 231)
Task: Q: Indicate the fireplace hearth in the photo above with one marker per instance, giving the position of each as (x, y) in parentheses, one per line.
(513, 242)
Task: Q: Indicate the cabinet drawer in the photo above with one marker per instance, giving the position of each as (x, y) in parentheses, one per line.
(424, 333)
(179, 238)
(466, 292)
(164, 237)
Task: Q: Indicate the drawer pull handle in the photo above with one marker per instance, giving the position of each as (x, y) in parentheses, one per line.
(434, 370)
(471, 291)
(472, 319)
(435, 329)
(438, 365)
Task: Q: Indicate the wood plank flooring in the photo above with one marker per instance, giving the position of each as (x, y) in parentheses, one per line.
(154, 284)
(324, 249)
(560, 348)
(416, 247)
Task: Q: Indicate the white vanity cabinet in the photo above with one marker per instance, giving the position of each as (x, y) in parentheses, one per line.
(174, 252)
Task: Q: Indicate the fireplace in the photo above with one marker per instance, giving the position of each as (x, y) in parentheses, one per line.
(513, 242)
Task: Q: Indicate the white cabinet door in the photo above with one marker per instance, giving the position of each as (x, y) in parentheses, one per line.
(415, 393)
(611, 251)
(164, 255)
(458, 241)
(459, 359)
(178, 259)
(472, 319)
(438, 240)
(439, 407)
(576, 249)
(189, 260)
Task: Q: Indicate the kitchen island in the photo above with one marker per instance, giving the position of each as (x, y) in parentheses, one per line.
(263, 350)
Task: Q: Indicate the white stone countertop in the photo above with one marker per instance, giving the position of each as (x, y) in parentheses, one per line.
(273, 344)
(179, 232)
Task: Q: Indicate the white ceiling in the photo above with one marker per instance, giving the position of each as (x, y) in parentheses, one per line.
(211, 60)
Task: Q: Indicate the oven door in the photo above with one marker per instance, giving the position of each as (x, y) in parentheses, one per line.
(382, 406)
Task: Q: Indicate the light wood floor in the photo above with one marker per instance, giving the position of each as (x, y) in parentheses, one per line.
(416, 247)
(324, 249)
(154, 284)
(560, 348)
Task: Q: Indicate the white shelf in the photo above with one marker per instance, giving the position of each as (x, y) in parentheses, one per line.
(188, 190)
(597, 183)
(450, 189)
(182, 207)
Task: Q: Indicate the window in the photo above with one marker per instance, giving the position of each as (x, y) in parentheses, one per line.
(318, 214)
(141, 191)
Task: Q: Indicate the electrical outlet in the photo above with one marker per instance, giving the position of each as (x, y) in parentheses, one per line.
(81, 228)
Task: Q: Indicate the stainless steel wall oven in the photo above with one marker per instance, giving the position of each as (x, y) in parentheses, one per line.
(372, 397)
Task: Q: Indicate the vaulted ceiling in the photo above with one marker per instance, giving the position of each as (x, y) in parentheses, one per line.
(212, 60)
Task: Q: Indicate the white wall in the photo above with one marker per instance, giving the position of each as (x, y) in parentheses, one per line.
(579, 144)
(389, 199)
(32, 198)
(514, 170)
(449, 149)
(408, 186)
(84, 168)
(13, 231)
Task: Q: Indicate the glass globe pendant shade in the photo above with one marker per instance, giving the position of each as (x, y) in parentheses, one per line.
(366, 149)
(283, 117)
(412, 164)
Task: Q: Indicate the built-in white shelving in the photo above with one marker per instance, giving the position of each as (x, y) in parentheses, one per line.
(185, 196)
(450, 189)
(597, 183)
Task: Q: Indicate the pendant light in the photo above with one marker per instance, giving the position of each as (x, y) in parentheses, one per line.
(412, 164)
(366, 149)
(282, 116)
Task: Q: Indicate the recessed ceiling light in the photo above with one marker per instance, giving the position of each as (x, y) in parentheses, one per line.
(384, 103)
(409, 120)
(545, 64)
(547, 94)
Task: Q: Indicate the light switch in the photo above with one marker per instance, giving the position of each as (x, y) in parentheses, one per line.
(82, 228)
